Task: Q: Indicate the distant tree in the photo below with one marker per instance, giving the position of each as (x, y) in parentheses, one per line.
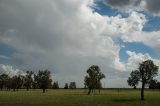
(153, 84)
(72, 85)
(3, 81)
(9, 84)
(17, 82)
(35, 82)
(99, 86)
(28, 80)
(55, 85)
(93, 79)
(158, 85)
(43, 79)
(134, 78)
(66, 86)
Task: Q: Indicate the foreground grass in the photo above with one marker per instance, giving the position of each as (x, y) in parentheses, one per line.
(78, 98)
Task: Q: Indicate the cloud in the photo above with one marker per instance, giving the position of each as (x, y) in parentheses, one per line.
(151, 6)
(4, 57)
(66, 37)
(136, 58)
(9, 70)
(151, 39)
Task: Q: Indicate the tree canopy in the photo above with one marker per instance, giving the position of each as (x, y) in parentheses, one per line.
(134, 78)
(43, 79)
(93, 79)
(28, 79)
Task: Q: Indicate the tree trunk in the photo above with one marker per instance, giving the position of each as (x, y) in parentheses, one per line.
(99, 91)
(142, 90)
(89, 92)
(134, 87)
(44, 90)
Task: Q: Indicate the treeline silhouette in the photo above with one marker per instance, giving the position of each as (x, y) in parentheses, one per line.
(41, 80)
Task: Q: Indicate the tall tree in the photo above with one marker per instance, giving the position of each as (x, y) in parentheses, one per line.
(147, 71)
(134, 78)
(43, 79)
(94, 77)
(34, 82)
(3, 81)
(28, 80)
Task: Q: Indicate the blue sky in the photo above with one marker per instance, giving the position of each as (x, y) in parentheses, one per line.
(152, 24)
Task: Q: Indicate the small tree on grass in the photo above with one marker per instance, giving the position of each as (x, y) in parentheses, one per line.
(93, 79)
(55, 85)
(43, 79)
(72, 85)
(134, 78)
(66, 86)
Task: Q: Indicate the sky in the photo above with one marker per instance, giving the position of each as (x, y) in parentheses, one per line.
(68, 36)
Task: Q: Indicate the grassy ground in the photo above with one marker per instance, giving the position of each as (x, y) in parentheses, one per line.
(78, 98)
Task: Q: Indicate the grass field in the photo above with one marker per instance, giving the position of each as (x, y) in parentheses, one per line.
(78, 98)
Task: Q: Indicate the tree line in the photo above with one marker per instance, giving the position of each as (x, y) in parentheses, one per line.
(145, 74)
(41, 80)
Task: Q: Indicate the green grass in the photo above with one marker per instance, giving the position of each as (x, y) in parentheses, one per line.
(78, 98)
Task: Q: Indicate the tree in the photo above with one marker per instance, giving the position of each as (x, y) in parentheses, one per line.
(28, 80)
(3, 81)
(147, 71)
(9, 84)
(55, 85)
(93, 79)
(158, 85)
(16, 82)
(66, 86)
(72, 85)
(134, 78)
(43, 79)
(34, 82)
(153, 84)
